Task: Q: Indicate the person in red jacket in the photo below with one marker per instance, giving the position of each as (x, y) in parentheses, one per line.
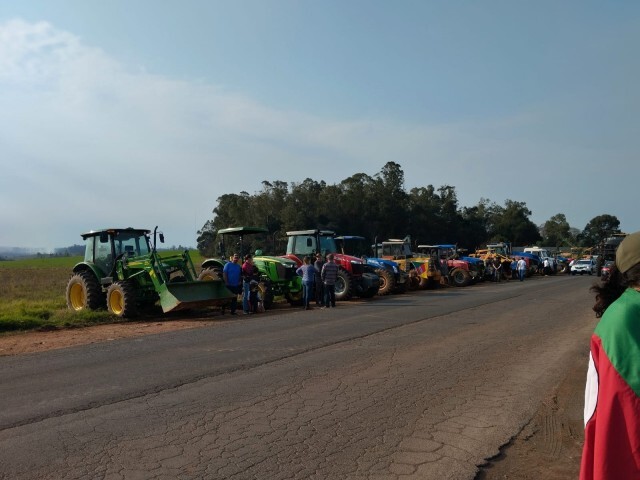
(611, 448)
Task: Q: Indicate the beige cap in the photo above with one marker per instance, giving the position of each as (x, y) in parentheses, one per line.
(628, 253)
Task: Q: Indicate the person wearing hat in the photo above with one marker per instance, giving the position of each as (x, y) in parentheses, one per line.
(612, 397)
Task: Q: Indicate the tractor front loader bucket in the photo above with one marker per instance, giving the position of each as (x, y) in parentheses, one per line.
(184, 295)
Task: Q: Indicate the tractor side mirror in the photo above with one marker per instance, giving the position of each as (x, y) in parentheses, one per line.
(104, 237)
(161, 237)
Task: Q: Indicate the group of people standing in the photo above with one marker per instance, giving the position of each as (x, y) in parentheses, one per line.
(497, 269)
(319, 281)
(242, 279)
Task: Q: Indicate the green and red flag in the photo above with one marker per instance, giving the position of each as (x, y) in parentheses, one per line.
(612, 397)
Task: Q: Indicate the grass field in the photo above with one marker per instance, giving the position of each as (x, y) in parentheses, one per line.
(32, 294)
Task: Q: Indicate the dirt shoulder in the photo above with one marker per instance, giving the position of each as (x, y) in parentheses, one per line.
(39, 341)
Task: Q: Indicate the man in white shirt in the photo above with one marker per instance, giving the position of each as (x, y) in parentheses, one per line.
(522, 269)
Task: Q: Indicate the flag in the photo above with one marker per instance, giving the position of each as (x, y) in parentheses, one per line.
(612, 397)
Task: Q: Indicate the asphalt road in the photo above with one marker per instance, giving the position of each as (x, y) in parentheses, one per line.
(424, 385)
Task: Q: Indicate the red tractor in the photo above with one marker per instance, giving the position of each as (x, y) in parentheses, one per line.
(461, 272)
(353, 279)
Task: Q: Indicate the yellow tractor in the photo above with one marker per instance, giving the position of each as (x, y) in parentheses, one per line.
(423, 270)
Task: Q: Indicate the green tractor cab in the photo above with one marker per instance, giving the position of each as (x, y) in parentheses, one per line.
(278, 276)
(123, 271)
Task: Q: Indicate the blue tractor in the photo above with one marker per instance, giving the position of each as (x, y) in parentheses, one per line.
(392, 278)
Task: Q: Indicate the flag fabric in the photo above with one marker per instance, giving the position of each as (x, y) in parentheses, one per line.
(612, 396)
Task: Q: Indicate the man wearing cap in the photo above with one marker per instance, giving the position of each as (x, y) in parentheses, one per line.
(612, 396)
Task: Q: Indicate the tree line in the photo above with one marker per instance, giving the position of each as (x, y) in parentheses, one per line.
(378, 207)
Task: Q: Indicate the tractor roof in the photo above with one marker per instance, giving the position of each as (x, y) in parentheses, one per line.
(93, 233)
(350, 237)
(324, 233)
(242, 230)
(448, 245)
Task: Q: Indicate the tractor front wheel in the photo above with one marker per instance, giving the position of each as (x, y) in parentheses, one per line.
(121, 300)
(83, 291)
(295, 299)
(387, 281)
(266, 293)
(344, 285)
(460, 277)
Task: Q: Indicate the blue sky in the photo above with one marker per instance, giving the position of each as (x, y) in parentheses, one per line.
(143, 113)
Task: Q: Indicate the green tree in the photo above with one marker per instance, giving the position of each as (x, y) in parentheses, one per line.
(512, 224)
(423, 205)
(389, 199)
(448, 217)
(473, 227)
(206, 239)
(557, 232)
(598, 229)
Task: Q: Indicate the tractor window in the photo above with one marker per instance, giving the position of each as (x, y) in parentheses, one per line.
(328, 245)
(392, 250)
(132, 244)
(103, 257)
(357, 248)
(88, 252)
(305, 245)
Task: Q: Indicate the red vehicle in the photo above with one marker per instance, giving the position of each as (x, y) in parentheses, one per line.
(461, 273)
(605, 272)
(353, 279)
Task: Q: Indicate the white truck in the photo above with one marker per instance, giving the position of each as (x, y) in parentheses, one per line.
(544, 254)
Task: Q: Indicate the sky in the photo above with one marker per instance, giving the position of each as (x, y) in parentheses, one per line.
(143, 113)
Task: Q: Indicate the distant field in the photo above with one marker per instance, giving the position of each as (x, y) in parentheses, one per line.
(32, 294)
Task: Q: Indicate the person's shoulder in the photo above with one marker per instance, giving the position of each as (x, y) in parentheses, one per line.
(624, 310)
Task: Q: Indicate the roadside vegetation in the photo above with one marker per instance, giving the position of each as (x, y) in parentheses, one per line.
(32, 295)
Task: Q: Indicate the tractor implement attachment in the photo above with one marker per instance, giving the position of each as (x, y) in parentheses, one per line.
(186, 295)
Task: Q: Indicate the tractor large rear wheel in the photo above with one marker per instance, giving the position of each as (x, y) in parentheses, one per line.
(344, 285)
(121, 300)
(387, 281)
(208, 274)
(84, 292)
(460, 277)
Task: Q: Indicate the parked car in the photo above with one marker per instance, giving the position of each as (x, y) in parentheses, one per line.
(606, 270)
(583, 266)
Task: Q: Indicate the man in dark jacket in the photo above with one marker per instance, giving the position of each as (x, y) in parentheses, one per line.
(318, 264)
(329, 275)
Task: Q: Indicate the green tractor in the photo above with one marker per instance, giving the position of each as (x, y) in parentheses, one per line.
(123, 271)
(278, 277)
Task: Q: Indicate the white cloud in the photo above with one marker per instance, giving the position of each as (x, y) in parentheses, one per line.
(87, 143)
